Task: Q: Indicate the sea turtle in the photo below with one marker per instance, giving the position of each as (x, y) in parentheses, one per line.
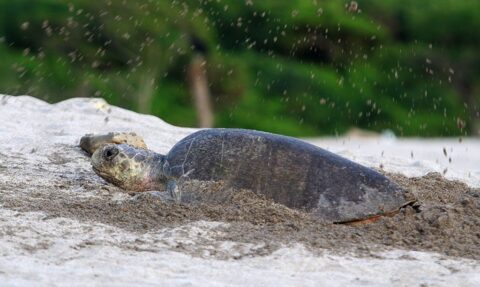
(286, 170)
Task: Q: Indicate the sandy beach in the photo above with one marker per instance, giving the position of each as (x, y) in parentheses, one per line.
(60, 223)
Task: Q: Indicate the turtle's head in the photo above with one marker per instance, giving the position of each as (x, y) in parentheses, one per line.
(133, 169)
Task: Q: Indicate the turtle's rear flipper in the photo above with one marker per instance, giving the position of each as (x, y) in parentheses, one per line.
(375, 218)
(90, 142)
(368, 220)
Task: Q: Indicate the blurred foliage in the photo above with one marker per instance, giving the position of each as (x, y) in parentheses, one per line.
(303, 68)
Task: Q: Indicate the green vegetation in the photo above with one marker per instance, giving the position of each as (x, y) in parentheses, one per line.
(303, 68)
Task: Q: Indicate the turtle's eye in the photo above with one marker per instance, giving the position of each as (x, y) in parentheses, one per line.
(110, 152)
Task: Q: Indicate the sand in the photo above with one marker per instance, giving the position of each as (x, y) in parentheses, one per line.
(445, 219)
(60, 224)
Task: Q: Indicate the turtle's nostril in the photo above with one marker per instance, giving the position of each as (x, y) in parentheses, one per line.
(110, 152)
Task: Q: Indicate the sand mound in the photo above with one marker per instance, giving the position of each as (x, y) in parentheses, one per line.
(446, 218)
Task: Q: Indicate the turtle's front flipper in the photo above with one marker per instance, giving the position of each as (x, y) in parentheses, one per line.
(90, 142)
(174, 191)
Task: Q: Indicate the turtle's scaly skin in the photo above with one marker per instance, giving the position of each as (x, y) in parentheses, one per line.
(283, 169)
(131, 168)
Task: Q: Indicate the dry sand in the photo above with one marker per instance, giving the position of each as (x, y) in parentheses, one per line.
(446, 218)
